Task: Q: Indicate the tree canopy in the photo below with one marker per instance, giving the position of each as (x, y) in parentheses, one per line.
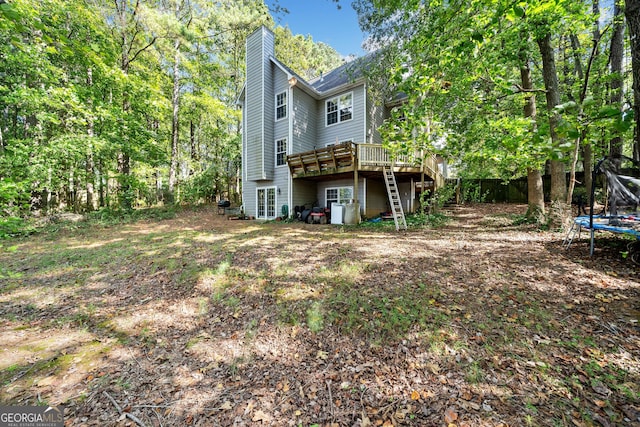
(120, 104)
(460, 63)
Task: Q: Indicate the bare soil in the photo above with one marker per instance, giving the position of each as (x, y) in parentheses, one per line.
(204, 321)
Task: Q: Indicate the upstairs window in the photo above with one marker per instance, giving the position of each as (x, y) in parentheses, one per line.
(339, 109)
(281, 105)
(281, 152)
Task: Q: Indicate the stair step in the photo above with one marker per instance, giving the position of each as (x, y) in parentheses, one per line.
(394, 199)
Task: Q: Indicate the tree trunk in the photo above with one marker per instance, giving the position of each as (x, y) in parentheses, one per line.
(632, 13)
(195, 157)
(101, 198)
(558, 211)
(175, 123)
(89, 167)
(535, 191)
(587, 149)
(124, 185)
(4, 123)
(615, 59)
(1, 139)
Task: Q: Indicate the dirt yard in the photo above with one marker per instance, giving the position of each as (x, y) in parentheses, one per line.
(202, 321)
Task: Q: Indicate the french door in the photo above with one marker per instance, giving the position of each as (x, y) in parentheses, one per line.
(266, 202)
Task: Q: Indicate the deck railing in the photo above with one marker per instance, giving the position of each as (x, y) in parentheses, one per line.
(377, 155)
(341, 158)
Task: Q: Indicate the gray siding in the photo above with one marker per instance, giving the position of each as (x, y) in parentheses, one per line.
(249, 197)
(280, 127)
(304, 122)
(404, 188)
(258, 109)
(351, 129)
(377, 200)
(304, 193)
(375, 117)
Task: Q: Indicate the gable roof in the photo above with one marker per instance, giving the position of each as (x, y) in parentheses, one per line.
(336, 80)
(339, 79)
(345, 74)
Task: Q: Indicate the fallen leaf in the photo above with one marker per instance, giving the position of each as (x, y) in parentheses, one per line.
(450, 415)
(226, 405)
(260, 416)
(415, 395)
(428, 394)
(600, 388)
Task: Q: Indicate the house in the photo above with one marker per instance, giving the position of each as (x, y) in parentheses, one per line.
(316, 143)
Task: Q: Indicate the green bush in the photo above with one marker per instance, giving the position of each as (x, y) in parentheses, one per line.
(14, 226)
(14, 197)
(109, 216)
(200, 188)
(432, 204)
(471, 191)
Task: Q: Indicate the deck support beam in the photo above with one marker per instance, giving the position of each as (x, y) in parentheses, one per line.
(355, 189)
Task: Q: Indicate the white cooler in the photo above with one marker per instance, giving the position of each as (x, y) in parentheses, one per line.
(337, 213)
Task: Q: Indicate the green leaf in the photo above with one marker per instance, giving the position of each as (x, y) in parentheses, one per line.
(518, 10)
(609, 111)
(9, 12)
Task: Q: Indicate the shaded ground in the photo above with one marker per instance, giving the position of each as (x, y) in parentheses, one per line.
(203, 321)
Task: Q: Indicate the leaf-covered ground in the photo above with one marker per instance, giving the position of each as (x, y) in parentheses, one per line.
(199, 320)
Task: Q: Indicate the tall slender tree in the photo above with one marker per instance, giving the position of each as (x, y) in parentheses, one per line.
(632, 15)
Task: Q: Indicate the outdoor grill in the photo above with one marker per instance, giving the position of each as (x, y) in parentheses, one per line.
(222, 204)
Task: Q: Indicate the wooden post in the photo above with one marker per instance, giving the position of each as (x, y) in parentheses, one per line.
(422, 196)
(355, 185)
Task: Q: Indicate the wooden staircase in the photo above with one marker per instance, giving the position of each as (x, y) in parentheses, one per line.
(394, 199)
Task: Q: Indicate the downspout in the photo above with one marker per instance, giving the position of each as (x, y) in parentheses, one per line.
(366, 114)
(292, 83)
(264, 123)
(244, 154)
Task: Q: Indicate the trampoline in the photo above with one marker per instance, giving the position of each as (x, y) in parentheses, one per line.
(622, 181)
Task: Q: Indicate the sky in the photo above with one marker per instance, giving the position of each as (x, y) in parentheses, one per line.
(324, 22)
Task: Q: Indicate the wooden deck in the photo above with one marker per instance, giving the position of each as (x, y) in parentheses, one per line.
(347, 157)
(325, 161)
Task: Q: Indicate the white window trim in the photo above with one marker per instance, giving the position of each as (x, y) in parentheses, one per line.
(286, 151)
(275, 201)
(326, 201)
(338, 97)
(285, 105)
